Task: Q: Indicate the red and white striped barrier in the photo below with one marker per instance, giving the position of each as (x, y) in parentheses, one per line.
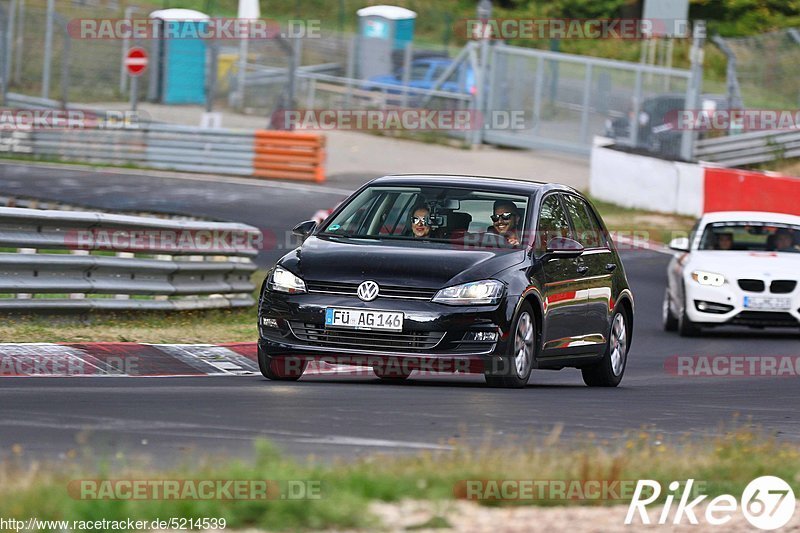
(643, 182)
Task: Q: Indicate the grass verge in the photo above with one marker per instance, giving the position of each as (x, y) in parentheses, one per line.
(658, 227)
(725, 464)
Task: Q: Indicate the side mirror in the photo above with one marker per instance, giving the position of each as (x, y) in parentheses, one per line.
(680, 244)
(563, 248)
(304, 229)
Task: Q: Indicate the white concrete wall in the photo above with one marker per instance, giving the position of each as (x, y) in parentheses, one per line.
(645, 182)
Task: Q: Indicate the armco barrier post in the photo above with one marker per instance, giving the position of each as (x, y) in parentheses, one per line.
(289, 155)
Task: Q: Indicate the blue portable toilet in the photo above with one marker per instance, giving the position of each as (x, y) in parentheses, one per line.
(178, 73)
(382, 30)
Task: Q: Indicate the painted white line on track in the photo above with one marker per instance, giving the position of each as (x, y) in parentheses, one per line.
(356, 441)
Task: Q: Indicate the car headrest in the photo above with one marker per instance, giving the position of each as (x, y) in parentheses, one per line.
(459, 221)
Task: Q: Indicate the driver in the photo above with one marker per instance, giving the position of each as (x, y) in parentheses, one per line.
(505, 221)
(784, 240)
(724, 241)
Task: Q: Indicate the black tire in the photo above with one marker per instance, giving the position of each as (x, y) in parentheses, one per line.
(608, 371)
(505, 372)
(280, 369)
(668, 318)
(686, 328)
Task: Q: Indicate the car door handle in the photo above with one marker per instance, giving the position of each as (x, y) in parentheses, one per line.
(611, 267)
(583, 269)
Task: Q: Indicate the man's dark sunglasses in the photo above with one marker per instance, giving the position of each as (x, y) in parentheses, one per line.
(505, 216)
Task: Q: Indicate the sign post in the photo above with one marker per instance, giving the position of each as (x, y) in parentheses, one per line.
(136, 65)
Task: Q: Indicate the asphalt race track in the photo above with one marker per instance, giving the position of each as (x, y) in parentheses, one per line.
(346, 416)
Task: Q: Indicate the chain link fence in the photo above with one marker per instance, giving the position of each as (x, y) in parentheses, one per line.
(767, 68)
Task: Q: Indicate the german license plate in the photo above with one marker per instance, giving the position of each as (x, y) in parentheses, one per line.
(758, 302)
(363, 319)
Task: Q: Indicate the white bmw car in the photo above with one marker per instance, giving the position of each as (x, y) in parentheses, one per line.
(738, 268)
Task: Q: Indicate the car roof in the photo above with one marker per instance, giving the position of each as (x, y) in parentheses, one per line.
(749, 216)
(499, 184)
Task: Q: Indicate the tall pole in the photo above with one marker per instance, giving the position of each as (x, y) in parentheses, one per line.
(12, 15)
(48, 48)
(20, 42)
(126, 45)
(695, 87)
(482, 76)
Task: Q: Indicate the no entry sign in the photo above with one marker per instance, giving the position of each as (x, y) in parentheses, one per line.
(136, 61)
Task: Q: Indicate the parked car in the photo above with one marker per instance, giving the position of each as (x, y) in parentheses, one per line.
(423, 75)
(432, 272)
(658, 130)
(739, 269)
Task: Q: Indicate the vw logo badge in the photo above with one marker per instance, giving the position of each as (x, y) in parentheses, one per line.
(367, 291)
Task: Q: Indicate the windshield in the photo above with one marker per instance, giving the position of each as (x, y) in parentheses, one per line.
(432, 214)
(754, 236)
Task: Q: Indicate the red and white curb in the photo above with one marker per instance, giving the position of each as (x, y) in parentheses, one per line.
(141, 360)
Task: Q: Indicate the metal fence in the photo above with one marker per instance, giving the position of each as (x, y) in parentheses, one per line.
(571, 98)
(765, 68)
(81, 261)
(749, 148)
(566, 99)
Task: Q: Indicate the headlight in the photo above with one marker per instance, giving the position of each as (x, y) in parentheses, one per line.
(284, 281)
(708, 278)
(475, 293)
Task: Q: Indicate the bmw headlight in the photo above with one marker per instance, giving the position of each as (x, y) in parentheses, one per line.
(708, 278)
(284, 281)
(474, 293)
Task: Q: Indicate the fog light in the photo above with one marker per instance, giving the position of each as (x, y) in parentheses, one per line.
(269, 323)
(481, 336)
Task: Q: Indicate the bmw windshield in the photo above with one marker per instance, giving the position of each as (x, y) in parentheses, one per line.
(751, 236)
(432, 214)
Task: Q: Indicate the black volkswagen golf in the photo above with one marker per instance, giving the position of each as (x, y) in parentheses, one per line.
(434, 273)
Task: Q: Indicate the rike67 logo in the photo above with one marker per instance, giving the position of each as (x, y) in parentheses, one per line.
(768, 503)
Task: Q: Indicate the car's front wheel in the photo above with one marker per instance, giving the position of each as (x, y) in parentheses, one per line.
(668, 318)
(513, 370)
(609, 370)
(280, 369)
(686, 328)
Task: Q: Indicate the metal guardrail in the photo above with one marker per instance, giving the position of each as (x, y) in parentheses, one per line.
(168, 146)
(67, 260)
(749, 148)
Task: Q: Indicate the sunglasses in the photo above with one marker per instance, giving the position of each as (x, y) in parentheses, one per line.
(504, 216)
(420, 220)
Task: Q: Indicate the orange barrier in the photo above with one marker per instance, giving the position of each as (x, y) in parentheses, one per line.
(289, 155)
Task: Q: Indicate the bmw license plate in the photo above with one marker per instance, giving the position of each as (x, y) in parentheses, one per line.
(758, 302)
(363, 319)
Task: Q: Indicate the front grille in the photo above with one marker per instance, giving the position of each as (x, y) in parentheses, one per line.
(764, 318)
(366, 340)
(751, 285)
(783, 286)
(385, 291)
